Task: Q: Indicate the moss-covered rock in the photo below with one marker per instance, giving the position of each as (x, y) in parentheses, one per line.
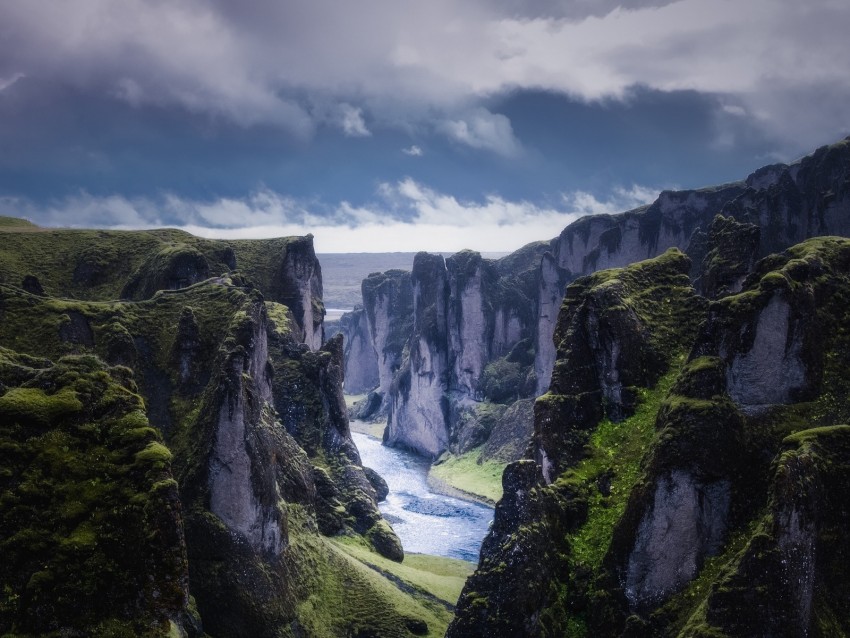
(90, 519)
(247, 412)
(731, 250)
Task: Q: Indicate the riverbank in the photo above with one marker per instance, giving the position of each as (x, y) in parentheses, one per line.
(374, 430)
(465, 476)
(457, 476)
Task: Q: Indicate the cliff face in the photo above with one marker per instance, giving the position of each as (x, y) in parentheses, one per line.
(361, 362)
(435, 331)
(611, 241)
(383, 326)
(689, 487)
(418, 406)
(253, 423)
(103, 265)
(501, 313)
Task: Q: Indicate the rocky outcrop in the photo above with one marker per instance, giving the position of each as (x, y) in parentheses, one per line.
(523, 557)
(262, 454)
(438, 329)
(375, 339)
(616, 333)
(299, 288)
(809, 198)
(685, 523)
(92, 530)
(788, 581)
(236, 462)
(611, 241)
(361, 362)
(696, 514)
(730, 248)
(418, 405)
(107, 265)
(774, 208)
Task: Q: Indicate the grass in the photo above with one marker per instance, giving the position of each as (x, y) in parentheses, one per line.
(616, 449)
(374, 430)
(467, 473)
(441, 577)
(351, 399)
(347, 596)
(16, 223)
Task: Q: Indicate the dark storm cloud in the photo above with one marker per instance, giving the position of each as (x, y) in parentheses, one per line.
(296, 65)
(133, 106)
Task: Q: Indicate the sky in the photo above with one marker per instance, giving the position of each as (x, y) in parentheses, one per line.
(402, 125)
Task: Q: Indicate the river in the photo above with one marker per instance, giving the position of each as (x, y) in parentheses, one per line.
(426, 522)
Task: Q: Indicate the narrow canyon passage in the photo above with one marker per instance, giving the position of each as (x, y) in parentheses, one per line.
(426, 522)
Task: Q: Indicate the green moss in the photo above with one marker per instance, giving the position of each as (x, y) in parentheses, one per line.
(281, 317)
(615, 451)
(469, 474)
(33, 405)
(349, 590)
(155, 454)
(16, 223)
(441, 577)
(87, 540)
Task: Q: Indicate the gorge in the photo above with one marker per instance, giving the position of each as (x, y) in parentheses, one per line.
(665, 389)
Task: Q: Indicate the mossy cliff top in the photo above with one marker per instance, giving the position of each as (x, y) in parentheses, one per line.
(92, 537)
(106, 265)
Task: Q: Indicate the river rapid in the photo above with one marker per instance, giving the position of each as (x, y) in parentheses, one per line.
(426, 522)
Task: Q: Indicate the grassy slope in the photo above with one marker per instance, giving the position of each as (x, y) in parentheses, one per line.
(468, 474)
(441, 577)
(16, 224)
(349, 594)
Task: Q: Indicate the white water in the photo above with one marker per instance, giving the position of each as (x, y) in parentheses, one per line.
(426, 522)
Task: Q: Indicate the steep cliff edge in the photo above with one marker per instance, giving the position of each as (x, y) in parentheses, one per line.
(500, 315)
(254, 423)
(385, 324)
(673, 497)
(418, 409)
(101, 265)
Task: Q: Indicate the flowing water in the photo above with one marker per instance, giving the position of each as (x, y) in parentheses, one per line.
(426, 522)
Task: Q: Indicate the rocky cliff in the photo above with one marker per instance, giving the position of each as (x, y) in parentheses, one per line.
(103, 265)
(500, 314)
(193, 488)
(383, 326)
(687, 466)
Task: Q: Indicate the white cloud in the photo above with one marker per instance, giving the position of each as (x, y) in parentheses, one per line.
(620, 199)
(5, 83)
(483, 130)
(413, 151)
(407, 216)
(352, 122)
(250, 62)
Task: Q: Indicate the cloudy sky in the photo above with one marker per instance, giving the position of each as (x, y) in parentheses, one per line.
(399, 124)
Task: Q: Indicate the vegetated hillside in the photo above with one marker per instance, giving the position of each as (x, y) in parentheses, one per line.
(690, 470)
(105, 265)
(474, 345)
(175, 464)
